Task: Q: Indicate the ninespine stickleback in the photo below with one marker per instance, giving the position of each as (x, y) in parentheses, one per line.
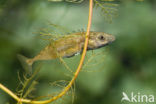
(68, 46)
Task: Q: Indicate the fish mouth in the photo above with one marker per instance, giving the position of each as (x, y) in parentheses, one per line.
(111, 39)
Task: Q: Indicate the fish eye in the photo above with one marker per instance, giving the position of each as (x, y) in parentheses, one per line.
(101, 37)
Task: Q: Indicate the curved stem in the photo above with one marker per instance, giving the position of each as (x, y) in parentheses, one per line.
(75, 74)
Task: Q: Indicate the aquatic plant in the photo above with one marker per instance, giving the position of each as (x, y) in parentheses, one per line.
(28, 82)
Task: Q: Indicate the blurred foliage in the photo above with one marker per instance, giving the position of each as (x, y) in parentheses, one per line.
(72, 1)
(126, 65)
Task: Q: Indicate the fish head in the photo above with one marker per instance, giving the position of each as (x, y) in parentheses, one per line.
(99, 39)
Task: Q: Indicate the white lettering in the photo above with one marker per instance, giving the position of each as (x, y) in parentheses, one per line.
(137, 97)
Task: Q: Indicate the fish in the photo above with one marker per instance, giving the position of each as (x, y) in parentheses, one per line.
(68, 46)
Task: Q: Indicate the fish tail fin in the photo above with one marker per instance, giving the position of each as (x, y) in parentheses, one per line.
(26, 63)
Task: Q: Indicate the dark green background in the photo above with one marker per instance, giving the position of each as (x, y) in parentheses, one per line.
(128, 65)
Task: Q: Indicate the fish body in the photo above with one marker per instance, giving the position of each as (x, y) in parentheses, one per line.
(71, 44)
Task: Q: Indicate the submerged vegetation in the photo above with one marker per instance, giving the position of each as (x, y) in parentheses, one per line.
(59, 86)
(27, 86)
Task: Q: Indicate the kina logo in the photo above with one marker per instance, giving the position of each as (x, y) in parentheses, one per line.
(137, 97)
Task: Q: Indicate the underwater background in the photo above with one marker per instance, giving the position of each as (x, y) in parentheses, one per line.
(127, 65)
